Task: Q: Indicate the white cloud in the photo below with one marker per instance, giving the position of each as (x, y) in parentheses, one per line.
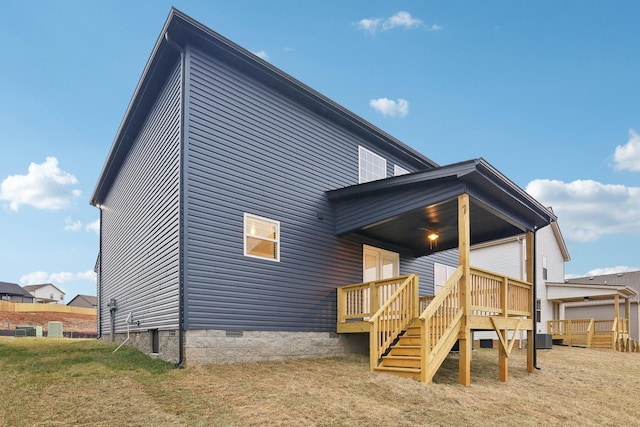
(389, 107)
(39, 277)
(628, 156)
(399, 20)
(93, 226)
(370, 25)
(262, 54)
(71, 225)
(588, 209)
(46, 186)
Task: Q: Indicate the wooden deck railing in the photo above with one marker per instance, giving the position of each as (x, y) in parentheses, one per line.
(590, 332)
(358, 302)
(490, 291)
(438, 323)
(574, 331)
(392, 318)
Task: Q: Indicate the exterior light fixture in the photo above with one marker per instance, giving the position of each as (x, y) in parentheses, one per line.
(433, 240)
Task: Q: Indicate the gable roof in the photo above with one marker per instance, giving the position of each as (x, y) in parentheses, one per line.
(84, 300)
(630, 279)
(36, 287)
(13, 289)
(181, 30)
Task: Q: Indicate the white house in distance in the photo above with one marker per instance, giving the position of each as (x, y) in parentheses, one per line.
(508, 256)
(46, 293)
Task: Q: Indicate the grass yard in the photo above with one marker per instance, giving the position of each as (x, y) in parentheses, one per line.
(51, 382)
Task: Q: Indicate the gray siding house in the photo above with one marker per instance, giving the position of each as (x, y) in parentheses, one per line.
(235, 200)
(13, 292)
(605, 309)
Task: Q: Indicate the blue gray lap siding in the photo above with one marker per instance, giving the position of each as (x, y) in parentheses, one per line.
(140, 223)
(250, 149)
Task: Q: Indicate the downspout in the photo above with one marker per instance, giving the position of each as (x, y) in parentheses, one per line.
(181, 213)
(535, 299)
(99, 281)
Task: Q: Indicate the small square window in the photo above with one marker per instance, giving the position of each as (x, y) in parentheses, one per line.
(371, 166)
(261, 237)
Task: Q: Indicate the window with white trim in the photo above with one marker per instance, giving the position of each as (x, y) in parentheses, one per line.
(371, 165)
(399, 170)
(261, 237)
(544, 268)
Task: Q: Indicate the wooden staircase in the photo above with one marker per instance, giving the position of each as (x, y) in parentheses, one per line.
(404, 357)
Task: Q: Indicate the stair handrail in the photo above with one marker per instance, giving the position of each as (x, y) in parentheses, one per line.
(387, 323)
(432, 309)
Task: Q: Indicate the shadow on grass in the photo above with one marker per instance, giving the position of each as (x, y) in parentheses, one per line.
(43, 355)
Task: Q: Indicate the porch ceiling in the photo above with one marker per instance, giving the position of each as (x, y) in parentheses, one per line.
(403, 210)
(565, 292)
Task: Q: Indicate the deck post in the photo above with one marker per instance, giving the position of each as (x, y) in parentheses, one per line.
(464, 237)
(503, 356)
(616, 315)
(531, 334)
(627, 315)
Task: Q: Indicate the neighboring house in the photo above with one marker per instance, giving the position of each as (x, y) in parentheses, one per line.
(86, 301)
(596, 309)
(14, 293)
(235, 200)
(508, 256)
(46, 293)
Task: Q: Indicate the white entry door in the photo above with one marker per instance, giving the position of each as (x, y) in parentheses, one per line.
(378, 264)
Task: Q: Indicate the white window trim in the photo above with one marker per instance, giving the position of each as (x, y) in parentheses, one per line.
(276, 240)
(362, 150)
(399, 170)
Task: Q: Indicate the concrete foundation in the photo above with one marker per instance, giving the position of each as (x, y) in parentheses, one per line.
(215, 346)
(168, 343)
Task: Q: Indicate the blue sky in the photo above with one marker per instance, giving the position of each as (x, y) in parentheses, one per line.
(545, 91)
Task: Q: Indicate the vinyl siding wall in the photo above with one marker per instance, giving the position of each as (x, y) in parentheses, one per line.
(547, 246)
(250, 149)
(140, 224)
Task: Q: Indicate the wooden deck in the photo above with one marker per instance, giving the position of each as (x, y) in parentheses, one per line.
(610, 334)
(411, 336)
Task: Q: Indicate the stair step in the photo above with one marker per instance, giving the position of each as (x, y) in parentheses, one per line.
(413, 373)
(405, 350)
(401, 361)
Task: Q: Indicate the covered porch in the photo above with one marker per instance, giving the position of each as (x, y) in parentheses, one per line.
(461, 204)
(609, 333)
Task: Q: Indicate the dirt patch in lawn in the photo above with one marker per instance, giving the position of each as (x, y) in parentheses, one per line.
(71, 322)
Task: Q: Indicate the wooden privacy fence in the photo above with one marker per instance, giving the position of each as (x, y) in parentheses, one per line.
(19, 307)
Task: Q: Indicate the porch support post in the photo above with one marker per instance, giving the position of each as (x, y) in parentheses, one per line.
(627, 315)
(616, 315)
(464, 237)
(531, 334)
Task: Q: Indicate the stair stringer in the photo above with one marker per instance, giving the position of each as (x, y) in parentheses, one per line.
(440, 352)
